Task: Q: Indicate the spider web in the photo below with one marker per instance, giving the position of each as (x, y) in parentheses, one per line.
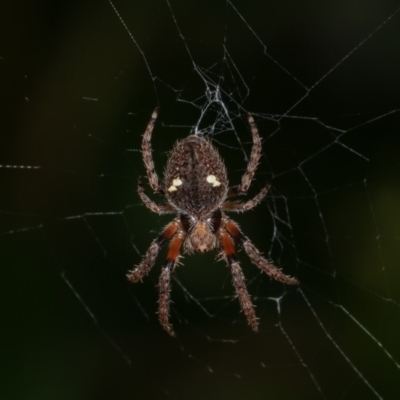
(78, 85)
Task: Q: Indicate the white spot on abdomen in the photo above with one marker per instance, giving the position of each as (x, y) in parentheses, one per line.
(213, 180)
(175, 183)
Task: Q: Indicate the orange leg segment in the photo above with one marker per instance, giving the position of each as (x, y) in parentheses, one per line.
(233, 230)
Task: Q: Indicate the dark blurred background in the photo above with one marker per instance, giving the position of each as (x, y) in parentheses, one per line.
(76, 93)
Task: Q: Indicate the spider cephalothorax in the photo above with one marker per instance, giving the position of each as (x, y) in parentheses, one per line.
(196, 188)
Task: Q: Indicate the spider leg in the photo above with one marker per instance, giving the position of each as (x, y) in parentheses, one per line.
(253, 163)
(256, 257)
(149, 258)
(151, 205)
(229, 254)
(164, 284)
(146, 153)
(245, 206)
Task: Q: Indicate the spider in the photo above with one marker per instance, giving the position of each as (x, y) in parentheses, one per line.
(196, 188)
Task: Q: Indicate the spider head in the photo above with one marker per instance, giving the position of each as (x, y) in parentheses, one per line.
(200, 238)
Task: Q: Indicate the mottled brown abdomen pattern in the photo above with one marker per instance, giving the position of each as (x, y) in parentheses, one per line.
(195, 179)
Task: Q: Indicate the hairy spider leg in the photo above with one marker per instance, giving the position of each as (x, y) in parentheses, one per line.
(151, 205)
(253, 162)
(147, 155)
(149, 258)
(229, 254)
(256, 256)
(164, 283)
(239, 206)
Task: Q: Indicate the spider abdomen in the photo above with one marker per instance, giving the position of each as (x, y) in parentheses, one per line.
(195, 179)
